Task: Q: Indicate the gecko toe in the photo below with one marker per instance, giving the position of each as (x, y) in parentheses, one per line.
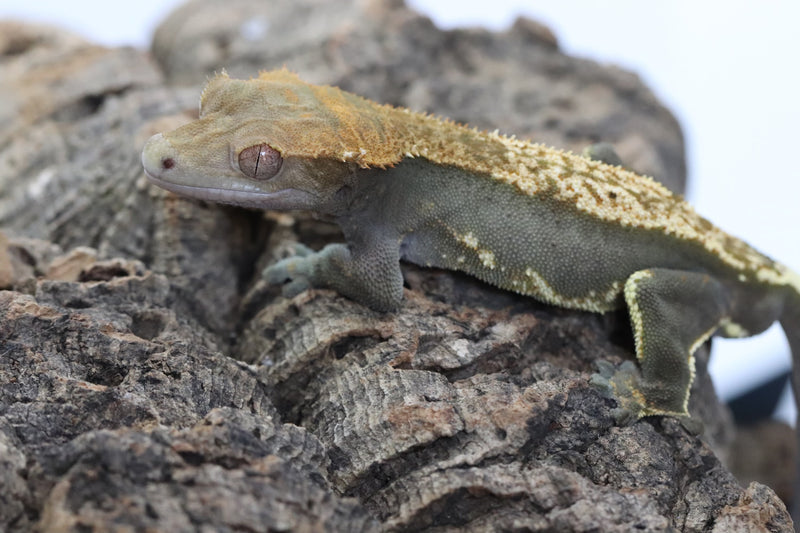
(295, 287)
(292, 273)
(277, 274)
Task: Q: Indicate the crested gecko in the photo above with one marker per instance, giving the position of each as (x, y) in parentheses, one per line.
(562, 228)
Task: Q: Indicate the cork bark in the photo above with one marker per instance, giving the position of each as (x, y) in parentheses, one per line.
(150, 381)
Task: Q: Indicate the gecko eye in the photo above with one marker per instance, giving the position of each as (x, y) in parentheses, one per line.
(260, 162)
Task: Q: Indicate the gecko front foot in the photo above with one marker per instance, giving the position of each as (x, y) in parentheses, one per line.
(294, 273)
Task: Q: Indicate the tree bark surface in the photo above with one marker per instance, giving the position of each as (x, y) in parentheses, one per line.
(150, 381)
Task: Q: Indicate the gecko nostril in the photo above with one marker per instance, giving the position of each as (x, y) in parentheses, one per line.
(167, 163)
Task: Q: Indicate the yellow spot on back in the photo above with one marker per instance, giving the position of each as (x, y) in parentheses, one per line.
(469, 240)
(487, 258)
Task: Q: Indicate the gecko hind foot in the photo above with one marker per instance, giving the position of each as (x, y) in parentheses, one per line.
(607, 379)
(624, 384)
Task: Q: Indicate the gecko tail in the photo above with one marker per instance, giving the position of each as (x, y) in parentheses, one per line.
(790, 323)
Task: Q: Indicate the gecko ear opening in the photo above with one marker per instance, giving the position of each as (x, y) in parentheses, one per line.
(260, 162)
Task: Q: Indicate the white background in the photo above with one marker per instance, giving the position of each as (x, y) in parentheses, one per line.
(729, 70)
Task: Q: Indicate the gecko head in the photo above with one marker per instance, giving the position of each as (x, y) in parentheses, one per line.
(270, 143)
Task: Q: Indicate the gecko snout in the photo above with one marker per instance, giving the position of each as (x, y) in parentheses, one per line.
(157, 156)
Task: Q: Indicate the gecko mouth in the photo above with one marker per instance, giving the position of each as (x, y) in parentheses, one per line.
(282, 199)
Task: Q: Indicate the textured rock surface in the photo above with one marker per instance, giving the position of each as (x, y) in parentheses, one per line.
(117, 412)
(147, 380)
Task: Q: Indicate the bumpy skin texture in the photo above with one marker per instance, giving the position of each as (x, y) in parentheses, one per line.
(562, 228)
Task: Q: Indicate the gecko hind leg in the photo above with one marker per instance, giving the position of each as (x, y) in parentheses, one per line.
(672, 313)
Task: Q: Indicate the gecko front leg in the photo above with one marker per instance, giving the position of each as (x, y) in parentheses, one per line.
(367, 270)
